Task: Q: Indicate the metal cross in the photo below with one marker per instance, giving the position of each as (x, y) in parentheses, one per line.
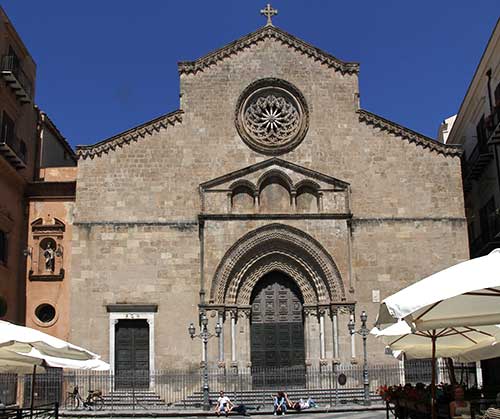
(269, 12)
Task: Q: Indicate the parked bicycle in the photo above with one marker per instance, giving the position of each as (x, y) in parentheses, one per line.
(93, 401)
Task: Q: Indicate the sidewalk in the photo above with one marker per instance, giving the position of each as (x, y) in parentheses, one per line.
(164, 413)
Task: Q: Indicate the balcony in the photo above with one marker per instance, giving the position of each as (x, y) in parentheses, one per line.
(493, 126)
(489, 239)
(474, 166)
(16, 79)
(12, 151)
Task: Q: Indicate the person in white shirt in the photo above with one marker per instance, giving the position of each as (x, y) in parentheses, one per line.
(224, 404)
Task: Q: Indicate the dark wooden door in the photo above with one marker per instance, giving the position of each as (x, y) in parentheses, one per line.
(277, 332)
(132, 353)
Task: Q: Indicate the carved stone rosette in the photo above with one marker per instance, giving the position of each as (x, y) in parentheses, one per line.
(272, 116)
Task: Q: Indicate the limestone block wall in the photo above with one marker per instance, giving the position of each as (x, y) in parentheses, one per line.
(123, 264)
(136, 232)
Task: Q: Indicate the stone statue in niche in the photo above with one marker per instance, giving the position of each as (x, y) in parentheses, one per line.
(50, 257)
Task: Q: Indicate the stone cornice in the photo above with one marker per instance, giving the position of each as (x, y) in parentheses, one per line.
(266, 32)
(409, 135)
(133, 134)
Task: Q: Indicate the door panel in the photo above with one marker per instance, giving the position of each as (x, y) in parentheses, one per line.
(277, 330)
(132, 353)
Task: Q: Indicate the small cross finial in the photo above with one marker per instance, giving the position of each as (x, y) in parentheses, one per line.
(269, 12)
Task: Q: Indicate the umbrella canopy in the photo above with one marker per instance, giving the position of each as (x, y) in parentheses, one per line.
(467, 294)
(21, 348)
(465, 344)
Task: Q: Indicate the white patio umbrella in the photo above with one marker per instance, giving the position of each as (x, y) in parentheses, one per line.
(467, 294)
(464, 295)
(23, 349)
(20, 339)
(464, 344)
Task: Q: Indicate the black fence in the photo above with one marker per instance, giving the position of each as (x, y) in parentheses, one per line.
(328, 385)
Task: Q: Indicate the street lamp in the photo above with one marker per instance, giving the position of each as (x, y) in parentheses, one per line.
(363, 332)
(204, 335)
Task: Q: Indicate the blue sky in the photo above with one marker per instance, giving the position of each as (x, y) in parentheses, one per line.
(107, 65)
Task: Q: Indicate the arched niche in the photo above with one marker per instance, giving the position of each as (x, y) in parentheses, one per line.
(275, 193)
(307, 199)
(242, 197)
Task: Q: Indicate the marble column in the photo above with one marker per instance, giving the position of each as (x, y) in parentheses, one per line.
(353, 341)
(335, 328)
(234, 315)
(221, 336)
(322, 334)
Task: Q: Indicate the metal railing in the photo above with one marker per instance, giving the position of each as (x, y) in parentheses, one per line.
(50, 411)
(181, 389)
(11, 63)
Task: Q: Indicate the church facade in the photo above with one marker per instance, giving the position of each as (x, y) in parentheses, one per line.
(269, 201)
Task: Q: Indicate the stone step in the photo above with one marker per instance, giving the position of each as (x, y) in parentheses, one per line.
(260, 397)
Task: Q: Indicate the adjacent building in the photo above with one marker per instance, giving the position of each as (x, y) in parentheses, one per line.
(37, 188)
(18, 149)
(477, 129)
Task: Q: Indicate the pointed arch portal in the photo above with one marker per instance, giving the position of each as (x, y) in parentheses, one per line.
(277, 282)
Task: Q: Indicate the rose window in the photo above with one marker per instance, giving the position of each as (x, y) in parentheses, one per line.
(271, 116)
(272, 120)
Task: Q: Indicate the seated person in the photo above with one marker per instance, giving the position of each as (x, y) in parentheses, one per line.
(280, 403)
(303, 405)
(459, 408)
(224, 405)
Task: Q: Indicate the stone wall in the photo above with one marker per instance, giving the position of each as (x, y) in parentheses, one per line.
(136, 236)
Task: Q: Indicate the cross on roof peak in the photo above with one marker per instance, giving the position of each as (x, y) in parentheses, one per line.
(269, 12)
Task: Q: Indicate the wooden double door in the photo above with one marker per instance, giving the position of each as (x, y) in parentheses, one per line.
(277, 331)
(131, 354)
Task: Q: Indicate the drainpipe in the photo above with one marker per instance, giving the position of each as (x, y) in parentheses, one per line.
(488, 74)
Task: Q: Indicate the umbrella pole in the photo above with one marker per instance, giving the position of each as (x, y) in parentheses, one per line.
(433, 378)
(32, 398)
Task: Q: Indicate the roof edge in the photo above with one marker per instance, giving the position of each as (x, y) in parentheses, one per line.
(132, 134)
(212, 58)
(411, 136)
(61, 138)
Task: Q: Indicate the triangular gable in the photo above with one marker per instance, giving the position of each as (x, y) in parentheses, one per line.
(266, 32)
(133, 134)
(273, 163)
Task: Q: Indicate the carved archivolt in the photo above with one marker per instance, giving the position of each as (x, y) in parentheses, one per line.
(277, 247)
(272, 116)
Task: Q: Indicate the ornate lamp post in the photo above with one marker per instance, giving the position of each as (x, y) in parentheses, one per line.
(363, 332)
(204, 335)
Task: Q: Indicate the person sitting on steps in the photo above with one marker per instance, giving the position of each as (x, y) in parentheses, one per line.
(280, 403)
(224, 405)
